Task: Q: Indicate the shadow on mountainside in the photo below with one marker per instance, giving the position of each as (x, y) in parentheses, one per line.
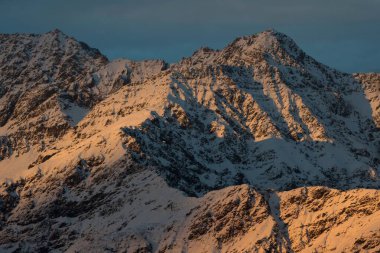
(194, 158)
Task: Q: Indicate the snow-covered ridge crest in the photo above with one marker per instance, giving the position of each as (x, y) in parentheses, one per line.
(48, 84)
(257, 99)
(231, 149)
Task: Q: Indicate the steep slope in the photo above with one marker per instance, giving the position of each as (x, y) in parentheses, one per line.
(120, 72)
(319, 219)
(40, 77)
(371, 86)
(49, 82)
(259, 114)
(206, 123)
(134, 210)
(43, 92)
(263, 112)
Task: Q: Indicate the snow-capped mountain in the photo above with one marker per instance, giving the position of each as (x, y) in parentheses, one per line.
(253, 148)
(49, 83)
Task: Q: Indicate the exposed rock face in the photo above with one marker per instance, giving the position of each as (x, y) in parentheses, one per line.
(138, 212)
(371, 86)
(325, 220)
(49, 82)
(243, 112)
(195, 156)
(117, 73)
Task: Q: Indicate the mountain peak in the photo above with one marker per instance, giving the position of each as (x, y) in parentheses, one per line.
(62, 41)
(268, 40)
(273, 33)
(204, 52)
(277, 45)
(55, 31)
(87, 144)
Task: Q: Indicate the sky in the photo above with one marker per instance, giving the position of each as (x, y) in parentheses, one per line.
(344, 34)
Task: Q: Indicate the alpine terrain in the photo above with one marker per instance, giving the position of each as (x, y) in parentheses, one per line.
(256, 147)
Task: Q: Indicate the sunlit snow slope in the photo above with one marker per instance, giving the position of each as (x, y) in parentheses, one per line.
(253, 148)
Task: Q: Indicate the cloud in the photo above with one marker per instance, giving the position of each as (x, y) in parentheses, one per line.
(341, 33)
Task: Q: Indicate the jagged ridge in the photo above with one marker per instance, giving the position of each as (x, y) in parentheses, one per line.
(259, 113)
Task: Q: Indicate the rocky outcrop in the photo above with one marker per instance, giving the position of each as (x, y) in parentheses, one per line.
(49, 82)
(253, 148)
(371, 87)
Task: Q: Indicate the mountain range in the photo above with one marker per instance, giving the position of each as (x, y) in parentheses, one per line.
(256, 147)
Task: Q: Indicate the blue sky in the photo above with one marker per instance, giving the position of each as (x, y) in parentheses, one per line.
(344, 34)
